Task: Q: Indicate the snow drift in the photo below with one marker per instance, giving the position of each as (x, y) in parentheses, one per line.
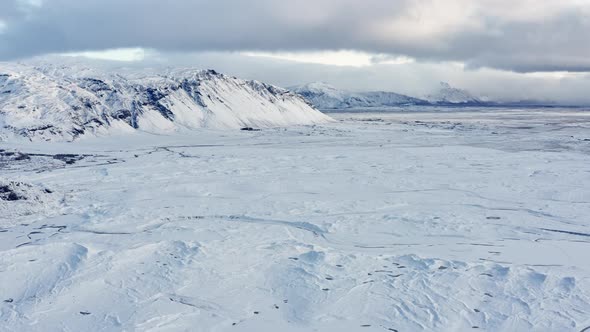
(63, 103)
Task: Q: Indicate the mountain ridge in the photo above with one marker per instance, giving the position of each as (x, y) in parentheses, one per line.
(64, 103)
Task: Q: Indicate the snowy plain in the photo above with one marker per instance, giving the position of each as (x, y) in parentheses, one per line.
(435, 220)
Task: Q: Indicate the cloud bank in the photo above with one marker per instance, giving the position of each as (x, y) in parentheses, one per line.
(516, 35)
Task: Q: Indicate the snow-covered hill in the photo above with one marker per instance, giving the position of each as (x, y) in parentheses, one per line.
(63, 103)
(325, 96)
(451, 95)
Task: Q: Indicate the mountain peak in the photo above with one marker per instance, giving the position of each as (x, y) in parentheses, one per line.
(316, 87)
(447, 94)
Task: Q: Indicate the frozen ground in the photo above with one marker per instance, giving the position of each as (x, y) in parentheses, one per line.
(449, 221)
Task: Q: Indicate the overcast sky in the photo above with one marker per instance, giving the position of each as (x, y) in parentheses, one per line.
(500, 48)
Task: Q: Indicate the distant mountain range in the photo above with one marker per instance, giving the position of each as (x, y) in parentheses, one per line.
(326, 97)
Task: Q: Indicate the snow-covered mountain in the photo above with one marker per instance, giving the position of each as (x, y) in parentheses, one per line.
(451, 95)
(51, 102)
(325, 96)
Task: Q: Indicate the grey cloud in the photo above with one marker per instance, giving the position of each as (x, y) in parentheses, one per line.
(70, 25)
(559, 44)
(557, 41)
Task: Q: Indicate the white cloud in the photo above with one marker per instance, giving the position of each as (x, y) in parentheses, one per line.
(121, 54)
(3, 26)
(334, 58)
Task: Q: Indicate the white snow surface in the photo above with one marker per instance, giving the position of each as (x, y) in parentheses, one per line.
(59, 102)
(416, 221)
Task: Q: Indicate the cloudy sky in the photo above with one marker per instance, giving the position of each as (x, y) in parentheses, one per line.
(499, 48)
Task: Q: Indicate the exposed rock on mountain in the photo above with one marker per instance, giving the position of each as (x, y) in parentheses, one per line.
(64, 103)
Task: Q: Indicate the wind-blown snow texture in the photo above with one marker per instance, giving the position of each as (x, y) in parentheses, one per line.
(64, 103)
(435, 221)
